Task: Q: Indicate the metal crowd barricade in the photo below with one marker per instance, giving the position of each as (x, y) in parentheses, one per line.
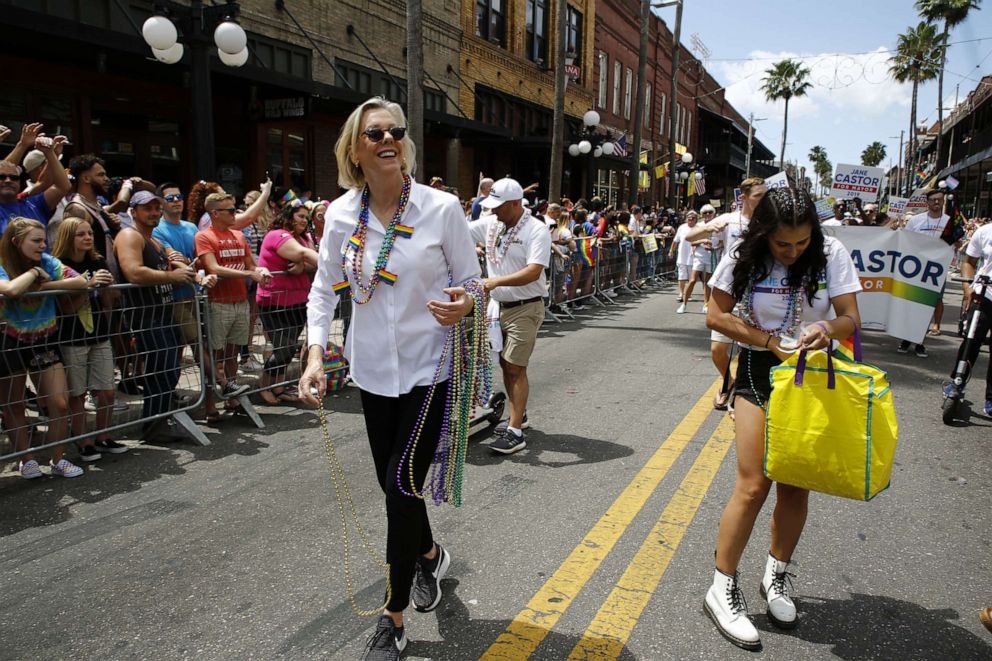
(576, 280)
(152, 373)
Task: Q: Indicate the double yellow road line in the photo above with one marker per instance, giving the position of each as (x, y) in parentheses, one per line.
(611, 627)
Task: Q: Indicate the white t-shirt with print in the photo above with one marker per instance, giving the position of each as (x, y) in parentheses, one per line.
(980, 247)
(924, 224)
(731, 234)
(771, 295)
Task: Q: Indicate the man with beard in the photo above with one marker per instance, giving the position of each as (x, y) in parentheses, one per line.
(91, 181)
(42, 205)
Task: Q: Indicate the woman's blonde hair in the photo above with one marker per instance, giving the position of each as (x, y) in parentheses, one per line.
(11, 258)
(65, 242)
(349, 174)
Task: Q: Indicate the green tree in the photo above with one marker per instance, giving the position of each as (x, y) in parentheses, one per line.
(818, 157)
(950, 13)
(826, 175)
(785, 80)
(916, 61)
(873, 154)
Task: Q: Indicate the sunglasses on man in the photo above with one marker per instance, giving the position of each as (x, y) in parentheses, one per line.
(9, 177)
(174, 197)
(377, 134)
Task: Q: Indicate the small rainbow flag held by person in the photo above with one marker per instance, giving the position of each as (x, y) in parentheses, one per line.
(387, 277)
(587, 251)
(403, 230)
(287, 197)
(341, 287)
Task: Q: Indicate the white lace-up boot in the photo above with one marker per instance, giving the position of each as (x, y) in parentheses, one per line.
(781, 608)
(725, 605)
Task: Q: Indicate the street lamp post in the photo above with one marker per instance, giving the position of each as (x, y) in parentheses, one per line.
(750, 142)
(195, 19)
(591, 142)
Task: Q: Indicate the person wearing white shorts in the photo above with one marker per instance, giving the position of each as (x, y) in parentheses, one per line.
(683, 262)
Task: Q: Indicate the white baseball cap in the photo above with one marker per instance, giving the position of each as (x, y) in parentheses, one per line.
(504, 190)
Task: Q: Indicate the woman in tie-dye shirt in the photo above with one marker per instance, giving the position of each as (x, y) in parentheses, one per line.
(28, 341)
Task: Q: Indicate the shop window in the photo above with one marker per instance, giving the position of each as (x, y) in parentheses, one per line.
(490, 21)
(279, 57)
(287, 156)
(435, 101)
(573, 33)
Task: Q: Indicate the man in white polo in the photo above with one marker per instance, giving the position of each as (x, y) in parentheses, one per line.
(932, 223)
(518, 249)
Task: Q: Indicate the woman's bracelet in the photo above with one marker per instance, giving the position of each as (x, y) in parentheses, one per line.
(767, 341)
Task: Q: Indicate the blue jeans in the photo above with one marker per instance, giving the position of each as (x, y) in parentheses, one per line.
(158, 342)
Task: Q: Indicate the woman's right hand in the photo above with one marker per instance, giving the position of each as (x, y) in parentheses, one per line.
(313, 377)
(775, 346)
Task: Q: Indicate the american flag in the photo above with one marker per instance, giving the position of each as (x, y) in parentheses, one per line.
(701, 185)
(621, 146)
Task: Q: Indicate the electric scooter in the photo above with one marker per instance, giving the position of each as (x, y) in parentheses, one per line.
(954, 391)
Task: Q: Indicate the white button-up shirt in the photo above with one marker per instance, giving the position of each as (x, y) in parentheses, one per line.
(531, 245)
(394, 343)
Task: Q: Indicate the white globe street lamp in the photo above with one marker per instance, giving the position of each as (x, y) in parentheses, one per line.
(591, 118)
(683, 175)
(597, 152)
(231, 39)
(235, 60)
(159, 33)
(687, 158)
(699, 176)
(573, 150)
(169, 55)
(585, 146)
(608, 148)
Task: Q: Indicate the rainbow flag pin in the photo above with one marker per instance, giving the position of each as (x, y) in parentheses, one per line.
(404, 230)
(341, 287)
(355, 243)
(387, 277)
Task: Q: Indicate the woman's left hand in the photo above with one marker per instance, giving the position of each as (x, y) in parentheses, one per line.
(814, 336)
(449, 312)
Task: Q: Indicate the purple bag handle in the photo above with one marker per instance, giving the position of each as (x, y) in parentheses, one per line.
(831, 378)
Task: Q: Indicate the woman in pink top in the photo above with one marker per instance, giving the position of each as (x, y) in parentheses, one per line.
(287, 253)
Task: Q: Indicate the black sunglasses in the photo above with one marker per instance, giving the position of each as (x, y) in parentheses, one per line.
(10, 177)
(376, 134)
(226, 209)
(175, 197)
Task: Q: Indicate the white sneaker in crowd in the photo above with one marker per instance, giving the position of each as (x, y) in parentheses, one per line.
(30, 469)
(681, 309)
(66, 468)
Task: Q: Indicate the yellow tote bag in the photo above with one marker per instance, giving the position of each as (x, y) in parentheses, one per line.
(831, 425)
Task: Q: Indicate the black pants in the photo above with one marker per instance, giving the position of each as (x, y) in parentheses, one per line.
(984, 326)
(158, 341)
(282, 327)
(389, 422)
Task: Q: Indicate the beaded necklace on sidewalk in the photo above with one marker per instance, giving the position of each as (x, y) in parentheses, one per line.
(466, 353)
(493, 254)
(361, 293)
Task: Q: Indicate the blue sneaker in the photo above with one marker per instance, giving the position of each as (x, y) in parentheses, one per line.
(950, 390)
(988, 407)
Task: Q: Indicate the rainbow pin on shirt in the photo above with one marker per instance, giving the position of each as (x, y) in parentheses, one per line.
(356, 243)
(403, 230)
(387, 277)
(341, 287)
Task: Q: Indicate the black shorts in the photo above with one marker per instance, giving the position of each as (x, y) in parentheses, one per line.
(18, 357)
(754, 382)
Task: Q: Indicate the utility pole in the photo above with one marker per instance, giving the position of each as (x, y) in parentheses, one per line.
(642, 62)
(673, 101)
(750, 138)
(558, 122)
(415, 80)
(899, 165)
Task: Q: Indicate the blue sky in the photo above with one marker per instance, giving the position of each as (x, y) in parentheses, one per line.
(854, 101)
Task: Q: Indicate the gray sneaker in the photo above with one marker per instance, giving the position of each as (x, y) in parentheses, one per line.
(387, 643)
(506, 442)
(506, 423)
(232, 390)
(427, 580)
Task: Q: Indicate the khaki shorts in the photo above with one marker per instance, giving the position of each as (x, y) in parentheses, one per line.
(88, 366)
(520, 325)
(185, 318)
(228, 325)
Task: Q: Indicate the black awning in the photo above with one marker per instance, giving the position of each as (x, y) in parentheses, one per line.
(974, 159)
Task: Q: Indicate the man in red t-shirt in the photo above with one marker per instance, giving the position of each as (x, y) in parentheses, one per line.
(224, 252)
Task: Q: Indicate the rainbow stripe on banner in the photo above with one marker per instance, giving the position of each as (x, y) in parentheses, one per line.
(899, 289)
(387, 277)
(403, 230)
(587, 251)
(340, 287)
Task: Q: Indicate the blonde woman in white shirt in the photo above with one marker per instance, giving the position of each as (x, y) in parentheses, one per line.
(394, 243)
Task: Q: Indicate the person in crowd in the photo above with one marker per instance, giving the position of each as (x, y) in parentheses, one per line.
(145, 261)
(89, 176)
(783, 243)
(316, 226)
(582, 277)
(931, 222)
(42, 205)
(485, 185)
(178, 238)
(375, 159)
(28, 341)
(286, 252)
(725, 230)
(562, 245)
(254, 233)
(683, 262)
(518, 249)
(198, 214)
(702, 268)
(979, 247)
(635, 227)
(84, 339)
(224, 252)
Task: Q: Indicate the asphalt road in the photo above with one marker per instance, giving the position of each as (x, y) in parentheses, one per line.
(595, 542)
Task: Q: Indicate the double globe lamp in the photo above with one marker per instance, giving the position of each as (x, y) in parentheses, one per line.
(589, 120)
(230, 38)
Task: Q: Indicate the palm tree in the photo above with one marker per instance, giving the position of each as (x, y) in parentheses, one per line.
(951, 13)
(785, 80)
(818, 157)
(826, 175)
(873, 154)
(915, 60)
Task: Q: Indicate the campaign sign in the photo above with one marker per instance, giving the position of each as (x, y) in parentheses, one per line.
(917, 202)
(738, 195)
(856, 181)
(897, 206)
(824, 208)
(777, 181)
(901, 276)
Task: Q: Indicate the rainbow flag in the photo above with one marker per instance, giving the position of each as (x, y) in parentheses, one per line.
(287, 197)
(587, 250)
(403, 230)
(845, 349)
(921, 175)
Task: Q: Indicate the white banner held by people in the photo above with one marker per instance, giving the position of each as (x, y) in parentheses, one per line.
(902, 274)
(856, 181)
